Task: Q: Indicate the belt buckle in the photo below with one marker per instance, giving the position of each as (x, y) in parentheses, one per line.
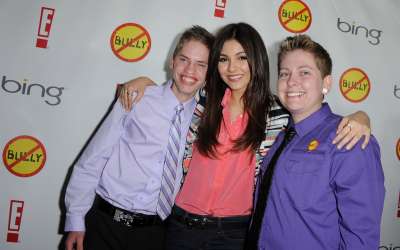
(123, 218)
(195, 222)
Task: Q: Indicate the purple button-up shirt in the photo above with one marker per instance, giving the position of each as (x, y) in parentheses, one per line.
(123, 162)
(322, 197)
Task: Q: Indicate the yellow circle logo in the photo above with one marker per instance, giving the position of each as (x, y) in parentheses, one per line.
(130, 42)
(398, 149)
(295, 16)
(24, 156)
(355, 85)
(313, 145)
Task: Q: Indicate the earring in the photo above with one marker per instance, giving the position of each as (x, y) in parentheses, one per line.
(324, 91)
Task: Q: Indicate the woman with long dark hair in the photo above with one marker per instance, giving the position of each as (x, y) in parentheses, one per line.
(254, 99)
(213, 207)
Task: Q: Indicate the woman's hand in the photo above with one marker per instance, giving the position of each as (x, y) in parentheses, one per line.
(132, 91)
(351, 129)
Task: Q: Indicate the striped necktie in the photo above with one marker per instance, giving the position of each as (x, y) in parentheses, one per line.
(166, 197)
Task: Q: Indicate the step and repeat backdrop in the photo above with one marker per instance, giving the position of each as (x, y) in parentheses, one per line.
(60, 63)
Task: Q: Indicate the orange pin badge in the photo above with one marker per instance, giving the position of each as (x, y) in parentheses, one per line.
(313, 145)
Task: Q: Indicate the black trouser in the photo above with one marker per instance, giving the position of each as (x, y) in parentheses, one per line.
(104, 233)
(188, 231)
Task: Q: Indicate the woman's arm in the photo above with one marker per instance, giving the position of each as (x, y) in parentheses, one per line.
(351, 129)
(132, 91)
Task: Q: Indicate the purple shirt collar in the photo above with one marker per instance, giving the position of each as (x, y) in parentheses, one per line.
(312, 121)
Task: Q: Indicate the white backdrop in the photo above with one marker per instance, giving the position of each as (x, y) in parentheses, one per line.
(78, 72)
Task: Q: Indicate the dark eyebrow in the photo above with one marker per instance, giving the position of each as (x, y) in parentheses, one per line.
(182, 55)
(238, 53)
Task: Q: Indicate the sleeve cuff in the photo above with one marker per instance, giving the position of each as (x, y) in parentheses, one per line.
(74, 223)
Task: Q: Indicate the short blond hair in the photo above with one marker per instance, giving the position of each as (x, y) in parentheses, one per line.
(195, 33)
(304, 42)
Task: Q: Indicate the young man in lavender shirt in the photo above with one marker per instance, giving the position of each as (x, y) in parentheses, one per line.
(113, 197)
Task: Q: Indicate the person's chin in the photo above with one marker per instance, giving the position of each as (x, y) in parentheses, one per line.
(189, 92)
(292, 107)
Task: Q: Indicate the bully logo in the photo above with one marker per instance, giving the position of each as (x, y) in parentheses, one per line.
(354, 85)
(51, 94)
(14, 220)
(373, 36)
(24, 156)
(220, 6)
(294, 16)
(46, 19)
(130, 42)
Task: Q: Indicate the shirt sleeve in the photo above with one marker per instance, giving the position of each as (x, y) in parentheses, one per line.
(87, 171)
(358, 183)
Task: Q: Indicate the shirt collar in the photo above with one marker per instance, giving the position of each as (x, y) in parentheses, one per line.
(226, 98)
(188, 106)
(167, 91)
(312, 121)
(168, 95)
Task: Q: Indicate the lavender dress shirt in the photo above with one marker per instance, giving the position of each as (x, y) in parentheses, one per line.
(322, 197)
(123, 162)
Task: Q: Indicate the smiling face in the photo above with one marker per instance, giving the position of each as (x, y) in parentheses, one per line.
(300, 84)
(233, 67)
(189, 68)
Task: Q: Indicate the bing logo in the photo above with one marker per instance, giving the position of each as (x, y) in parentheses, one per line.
(373, 36)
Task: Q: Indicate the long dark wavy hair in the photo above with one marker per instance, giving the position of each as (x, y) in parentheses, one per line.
(257, 98)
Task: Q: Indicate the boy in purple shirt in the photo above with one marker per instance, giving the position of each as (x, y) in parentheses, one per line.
(317, 196)
(118, 194)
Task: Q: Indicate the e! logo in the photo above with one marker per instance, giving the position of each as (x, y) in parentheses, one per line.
(220, 8)
(14, 220)
(46, 19)
(398, 208)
